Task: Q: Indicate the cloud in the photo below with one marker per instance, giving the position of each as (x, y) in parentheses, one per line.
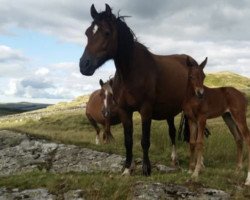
(217, 29)
(7, 54)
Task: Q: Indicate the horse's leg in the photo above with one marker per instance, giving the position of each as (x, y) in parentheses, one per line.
(126, 119)
(240, 120)
(172, 134)
(94, 124)
(199, 147)
(192, 141)
(146, 115)
(237, 137)
(107, 136)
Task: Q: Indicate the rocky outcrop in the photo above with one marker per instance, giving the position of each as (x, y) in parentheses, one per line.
(39, 194)
(151, 191)
(21, 153)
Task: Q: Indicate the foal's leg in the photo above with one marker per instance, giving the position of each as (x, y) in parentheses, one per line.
(240, 120)
(126, 118)
(192, 140)
(199, 147)
(172, 134)
(237, 137)
(94, 124)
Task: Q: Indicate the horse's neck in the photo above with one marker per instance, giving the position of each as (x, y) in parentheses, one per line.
(125, 69)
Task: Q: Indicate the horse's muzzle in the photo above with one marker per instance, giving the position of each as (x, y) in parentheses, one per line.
(86, 64)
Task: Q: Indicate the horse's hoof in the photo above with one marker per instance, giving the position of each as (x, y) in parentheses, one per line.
(247, 183)
(146, 169)
(126, 172)
(195, 176)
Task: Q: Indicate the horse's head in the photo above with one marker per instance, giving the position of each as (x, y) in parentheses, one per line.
(108, 37)
(102, 42)
(107, 96)
(196, 76)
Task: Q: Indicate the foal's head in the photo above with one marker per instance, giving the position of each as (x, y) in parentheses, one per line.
(108, 37)
(107, 96)
(196, 76)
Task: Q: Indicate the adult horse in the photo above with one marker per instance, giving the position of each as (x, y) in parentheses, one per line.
(101, 109)
(153, 85)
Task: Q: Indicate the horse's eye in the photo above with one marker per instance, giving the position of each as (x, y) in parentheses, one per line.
(107, 33)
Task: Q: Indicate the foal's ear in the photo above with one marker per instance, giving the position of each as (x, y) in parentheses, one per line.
(203, 64)
(189, 62)
(101, 82)
(108, 10)
(93, 12)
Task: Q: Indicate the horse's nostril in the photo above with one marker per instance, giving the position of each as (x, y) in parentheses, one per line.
(87, 63)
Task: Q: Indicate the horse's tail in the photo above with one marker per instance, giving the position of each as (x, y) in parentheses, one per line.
(184, 128)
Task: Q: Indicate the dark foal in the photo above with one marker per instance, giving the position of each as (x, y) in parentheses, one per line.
(101, 109)
(204, 103)
(153, 85)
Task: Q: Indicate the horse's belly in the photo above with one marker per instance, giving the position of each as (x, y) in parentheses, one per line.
(161, 112)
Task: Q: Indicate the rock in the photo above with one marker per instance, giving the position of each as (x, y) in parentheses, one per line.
(38, 194)
(34, 194)
(165, 169)
(170, 191)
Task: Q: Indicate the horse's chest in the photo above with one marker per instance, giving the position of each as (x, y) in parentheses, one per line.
(127, 99)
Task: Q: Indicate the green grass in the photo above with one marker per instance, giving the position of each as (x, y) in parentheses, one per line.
(73, 128)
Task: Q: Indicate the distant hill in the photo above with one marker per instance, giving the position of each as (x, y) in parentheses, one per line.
(227, 79)
(13, 108)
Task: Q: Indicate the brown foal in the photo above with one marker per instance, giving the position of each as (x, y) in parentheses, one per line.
(202, 103)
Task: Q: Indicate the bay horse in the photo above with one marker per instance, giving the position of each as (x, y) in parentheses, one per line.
(100, 109)
(153, 85)
(202, 103)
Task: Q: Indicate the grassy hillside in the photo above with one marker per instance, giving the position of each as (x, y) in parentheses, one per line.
(227, 79)
(74, 128)
(13, 108)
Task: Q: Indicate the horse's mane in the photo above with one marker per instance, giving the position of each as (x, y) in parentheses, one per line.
(126, 37)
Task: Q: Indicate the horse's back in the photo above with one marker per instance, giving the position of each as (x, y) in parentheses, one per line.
(235, 97)
(171, 85)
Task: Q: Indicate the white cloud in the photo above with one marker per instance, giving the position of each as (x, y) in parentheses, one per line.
(42, 71)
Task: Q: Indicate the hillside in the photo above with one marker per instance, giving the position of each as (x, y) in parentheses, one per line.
(227, 79)
(13, 108)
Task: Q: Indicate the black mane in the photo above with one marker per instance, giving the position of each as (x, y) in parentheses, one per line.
(126, 37)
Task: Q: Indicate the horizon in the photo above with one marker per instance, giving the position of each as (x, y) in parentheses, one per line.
(42, 42)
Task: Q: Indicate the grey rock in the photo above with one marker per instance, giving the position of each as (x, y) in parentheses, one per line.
(170, 191)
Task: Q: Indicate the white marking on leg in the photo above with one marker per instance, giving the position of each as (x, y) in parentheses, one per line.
(126, 172)
(173, 154)
(97, 140)
(248, 179)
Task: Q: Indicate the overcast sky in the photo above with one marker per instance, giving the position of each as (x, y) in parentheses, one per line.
(41, 41)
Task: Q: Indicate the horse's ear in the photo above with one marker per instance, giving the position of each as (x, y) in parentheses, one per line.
(111, 82)
(93, 12)
(101, 82)
(203, 64)
(108, 10)
(188, 62)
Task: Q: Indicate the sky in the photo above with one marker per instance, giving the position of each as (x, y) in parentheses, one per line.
(41, 42)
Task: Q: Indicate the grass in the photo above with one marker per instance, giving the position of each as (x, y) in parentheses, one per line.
(73, 128)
